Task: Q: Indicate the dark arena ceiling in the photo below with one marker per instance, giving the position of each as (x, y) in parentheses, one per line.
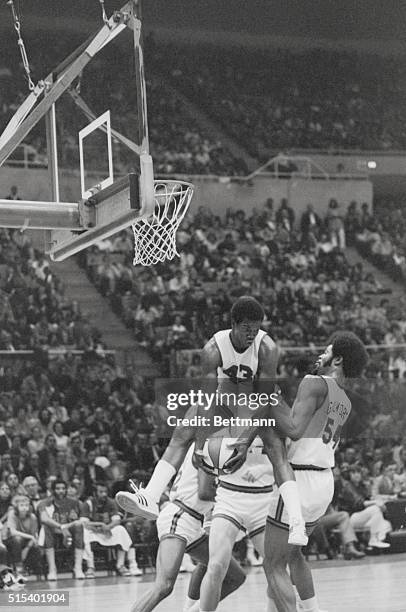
(326, 19)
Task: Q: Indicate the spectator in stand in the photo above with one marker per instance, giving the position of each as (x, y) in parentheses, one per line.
(352, 222)
(14, 484)
(6, 466)
(310, 223)
(5, 501)
(365, 513)
(335, 224)
(32, 469)
(61, 516)
(47, 457)
(13, 195)
(179, 282)
(46, 422)
(285, 212)
(144, 455)
(92, 473)
(334, 519)
(74, 422)
(61, 439)
(99, 426)
(367, 219)
(64, 469)
(385, 486)
(17, 454)
(22, 543)
(116, 471)
(76, 452)
(32, 488)
(101, 521)
(6, 436)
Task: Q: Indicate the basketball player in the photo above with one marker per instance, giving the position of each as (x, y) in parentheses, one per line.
(180, 528)
(242, 503)
(237, 358)
(319, 412)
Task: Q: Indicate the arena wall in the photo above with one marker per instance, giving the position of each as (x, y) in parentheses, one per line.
(213, 192)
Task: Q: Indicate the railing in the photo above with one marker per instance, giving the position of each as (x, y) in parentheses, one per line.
(52, 352)
(26, 156)
(302, 166)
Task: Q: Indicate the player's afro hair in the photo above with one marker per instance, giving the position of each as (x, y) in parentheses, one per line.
(348, 346)
(246, 308)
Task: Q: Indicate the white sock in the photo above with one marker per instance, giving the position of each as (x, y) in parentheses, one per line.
(131, 556)
(189, 603)
(271, 605)
(291, 498)
(310, 605)
(196, 607)
(298, 600)
(161, 477)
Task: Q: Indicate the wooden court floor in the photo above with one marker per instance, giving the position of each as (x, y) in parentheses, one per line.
(376, 584)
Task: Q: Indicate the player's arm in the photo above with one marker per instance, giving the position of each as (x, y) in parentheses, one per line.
(207, 485)
(210, 361)
(310, 395)
(184, 435)
(182, 438)
(268, 355)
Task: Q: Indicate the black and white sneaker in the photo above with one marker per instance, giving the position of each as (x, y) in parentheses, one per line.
(139, 503)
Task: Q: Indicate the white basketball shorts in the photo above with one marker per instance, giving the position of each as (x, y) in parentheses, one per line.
(246, 509)
(177, 520)
(316, 489)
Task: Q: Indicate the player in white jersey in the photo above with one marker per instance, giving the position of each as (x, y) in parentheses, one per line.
(239, 360)
(242, 502)
(180, 529)
(319, 412)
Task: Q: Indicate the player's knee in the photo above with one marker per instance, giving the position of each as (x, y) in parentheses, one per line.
(165, 587)
(343, 516)
(217, 567)
(295, 554)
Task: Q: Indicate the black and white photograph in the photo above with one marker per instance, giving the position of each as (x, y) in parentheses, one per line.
(203, 305)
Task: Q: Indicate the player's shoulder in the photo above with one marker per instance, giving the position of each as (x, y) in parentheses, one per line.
(211, 352)
(267, 344)
(314, 384)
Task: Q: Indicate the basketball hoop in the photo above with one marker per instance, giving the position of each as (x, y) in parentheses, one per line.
(155, 237)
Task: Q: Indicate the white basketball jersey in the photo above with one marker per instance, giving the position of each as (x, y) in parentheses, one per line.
(255, 457)
(185, 487)
(326, 423)
(234, 365)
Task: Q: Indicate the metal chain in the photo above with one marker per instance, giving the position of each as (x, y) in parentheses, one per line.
(104, 15)
(79, 83)
(17, 27)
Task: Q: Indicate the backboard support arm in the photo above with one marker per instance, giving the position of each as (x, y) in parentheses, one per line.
(74, 226)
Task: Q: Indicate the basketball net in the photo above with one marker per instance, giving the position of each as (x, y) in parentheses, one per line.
(155, 237)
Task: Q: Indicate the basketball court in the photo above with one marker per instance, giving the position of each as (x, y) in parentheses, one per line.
(376, 584)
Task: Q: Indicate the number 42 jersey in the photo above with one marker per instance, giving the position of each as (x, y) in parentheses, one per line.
(317, 445)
